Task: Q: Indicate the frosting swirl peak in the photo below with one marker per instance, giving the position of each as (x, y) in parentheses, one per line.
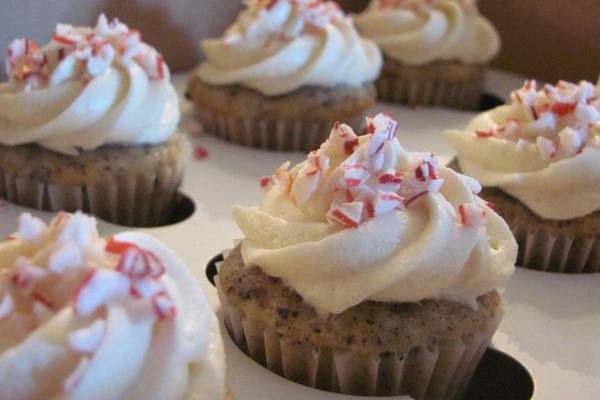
(364, 219)
(277, 46)
(417, 32)
(544, 148)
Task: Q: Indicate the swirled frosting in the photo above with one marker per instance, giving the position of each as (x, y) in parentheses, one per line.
(86, 318)
(543, 149)
(364, 219)
(277, 46)
(87, 88)
(417, 32)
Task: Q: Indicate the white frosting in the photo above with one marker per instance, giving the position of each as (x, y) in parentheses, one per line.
(363, 219)
(417, 32)
(543, 149)
(86, 318)
(278, 46)
(87, 88)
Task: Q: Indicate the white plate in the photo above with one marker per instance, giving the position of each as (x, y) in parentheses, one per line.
(552, 323)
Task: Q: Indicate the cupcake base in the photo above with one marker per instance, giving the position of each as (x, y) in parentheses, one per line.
(299, 121)
(570, 246)
(127, 185)
(428, 350)
(442, 83)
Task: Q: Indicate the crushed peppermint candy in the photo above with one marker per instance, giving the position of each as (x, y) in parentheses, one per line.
(200, 153)
(64, 266)
(375, 178)
(88, 339)
(81, 53)
(472, 215)
(559, 120)
(307, 17)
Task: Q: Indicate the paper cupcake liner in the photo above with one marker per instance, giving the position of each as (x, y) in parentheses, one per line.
(547, 250)
(434, 372)
(272, 133)
(142, 200)
(464, 94)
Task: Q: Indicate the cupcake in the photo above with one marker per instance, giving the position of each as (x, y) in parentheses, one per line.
(538, 159)
(368, 270)
(435, 52)
(89, 318)
(283, 73)
(88, 122)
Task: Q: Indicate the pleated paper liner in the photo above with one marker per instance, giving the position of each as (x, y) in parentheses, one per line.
(543, 249)
(126, 185)
(430, 86)
(143, 200)
(279, 134)
(439, 371)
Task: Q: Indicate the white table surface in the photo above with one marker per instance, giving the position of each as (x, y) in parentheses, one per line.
(552, 321)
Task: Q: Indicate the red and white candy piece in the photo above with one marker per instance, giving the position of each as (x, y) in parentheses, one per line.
(587, 114)
(100, 59)
(571, 141)
(281, 176)
(362, 193)
(65, 257)
(26, 275)
(145, 288)
(426, 170)
(510, 128)
(346, 214)
(98, 288)
(343, 135)
(153, 63)
(386, 202)
(130, 44)
(471, 215)
(118, 247)
(138, 263)
(87, 340)
(163, 306)
(309, 176)
(318, 161)
(355, 174)
(521, 144)
(561, 109)
(390, 180)
(546, 148)
(484, 134)
(526, 96)
(31, 228)
(266, 182)
(382, 127)
(21, 48)
(544, 125)
(425, 178)
(319, 13)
